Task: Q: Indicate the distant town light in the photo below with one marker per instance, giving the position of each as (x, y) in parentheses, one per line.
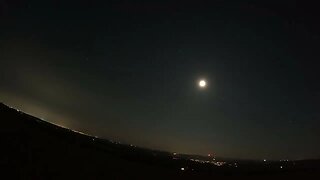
(264, 160)
(182, 169)
(280, 167)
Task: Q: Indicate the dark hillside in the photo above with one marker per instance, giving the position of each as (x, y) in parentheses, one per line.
(34, 149)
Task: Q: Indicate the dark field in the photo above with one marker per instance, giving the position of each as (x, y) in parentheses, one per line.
(34, 149)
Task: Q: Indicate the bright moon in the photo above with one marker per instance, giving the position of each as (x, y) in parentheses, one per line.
(202, 83)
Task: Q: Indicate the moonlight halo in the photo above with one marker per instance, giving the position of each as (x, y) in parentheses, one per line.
(202, 83)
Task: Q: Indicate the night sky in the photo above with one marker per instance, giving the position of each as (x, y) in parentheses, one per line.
(129, 71)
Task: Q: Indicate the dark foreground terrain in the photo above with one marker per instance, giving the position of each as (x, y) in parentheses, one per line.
(34, 149)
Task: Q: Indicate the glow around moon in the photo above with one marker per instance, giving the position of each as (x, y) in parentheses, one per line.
(202, 83)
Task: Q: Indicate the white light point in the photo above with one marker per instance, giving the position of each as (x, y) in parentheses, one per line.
(202, 83)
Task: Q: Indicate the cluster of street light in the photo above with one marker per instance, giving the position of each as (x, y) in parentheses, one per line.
(217, 163)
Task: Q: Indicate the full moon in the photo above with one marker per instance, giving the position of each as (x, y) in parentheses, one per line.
(202, 83)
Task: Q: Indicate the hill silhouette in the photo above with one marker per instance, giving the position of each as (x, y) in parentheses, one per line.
(35, 149)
